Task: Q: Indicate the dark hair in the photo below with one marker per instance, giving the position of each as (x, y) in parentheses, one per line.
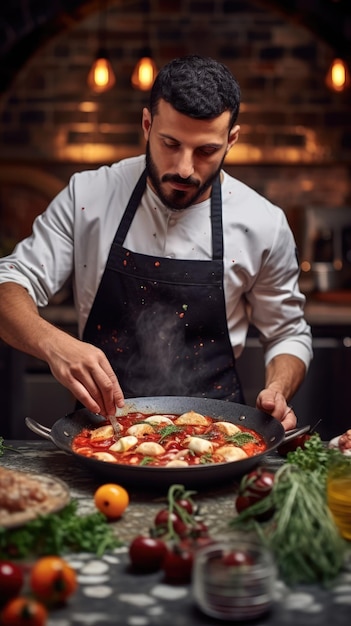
(197, 86)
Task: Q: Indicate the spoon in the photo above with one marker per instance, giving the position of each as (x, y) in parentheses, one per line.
(114, 419)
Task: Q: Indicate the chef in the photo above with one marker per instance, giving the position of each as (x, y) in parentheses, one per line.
(170, 259)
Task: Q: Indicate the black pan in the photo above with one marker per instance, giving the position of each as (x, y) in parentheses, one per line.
(66, 428)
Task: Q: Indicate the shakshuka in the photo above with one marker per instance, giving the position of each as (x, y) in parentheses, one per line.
(169, 441)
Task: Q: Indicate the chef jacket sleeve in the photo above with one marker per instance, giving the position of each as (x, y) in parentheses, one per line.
(42, 262)
(276, 302)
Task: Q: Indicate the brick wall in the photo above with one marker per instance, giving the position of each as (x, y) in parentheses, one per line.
(295, 143)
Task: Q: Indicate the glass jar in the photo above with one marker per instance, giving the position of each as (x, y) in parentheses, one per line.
(233, 578)
(339, 495)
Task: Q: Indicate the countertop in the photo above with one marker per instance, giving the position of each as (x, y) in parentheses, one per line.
(109, 593)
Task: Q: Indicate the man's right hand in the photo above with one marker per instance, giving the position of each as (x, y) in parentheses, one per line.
(87, 373)
(79, 366)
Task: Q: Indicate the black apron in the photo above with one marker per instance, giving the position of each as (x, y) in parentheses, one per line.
(162, 322)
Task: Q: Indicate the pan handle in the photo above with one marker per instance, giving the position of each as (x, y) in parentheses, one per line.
(296, 432)
(38, 428)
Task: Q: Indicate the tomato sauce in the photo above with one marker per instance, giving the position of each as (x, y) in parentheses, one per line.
(172, 441)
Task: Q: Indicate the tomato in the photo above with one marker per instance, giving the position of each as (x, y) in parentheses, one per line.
(293, 444)
(164, 518)
(198, 529)
(147, 553)
(259, 482)
(111, 500)
(253, 487)
(52, 580)
(11, 580)
(185, 504)
(237, 557)
(178, 564)
(244, 502)
(22, 611)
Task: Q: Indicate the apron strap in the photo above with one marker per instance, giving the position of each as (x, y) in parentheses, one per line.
(132, 206)
(216, 220)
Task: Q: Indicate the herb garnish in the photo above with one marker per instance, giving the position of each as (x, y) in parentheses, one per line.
(59, 533)
(146, 460)
(167, 431)
(240, 439)
(206, 458)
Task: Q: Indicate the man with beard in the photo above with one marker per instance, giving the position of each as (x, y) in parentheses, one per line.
(170, 259)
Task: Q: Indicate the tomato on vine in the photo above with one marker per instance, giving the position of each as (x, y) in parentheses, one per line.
(147, 553)
(167, 521)
(254, 487)
(178, 564)
(186, 504)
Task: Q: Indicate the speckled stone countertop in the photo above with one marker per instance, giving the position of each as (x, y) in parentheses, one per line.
(109, 593)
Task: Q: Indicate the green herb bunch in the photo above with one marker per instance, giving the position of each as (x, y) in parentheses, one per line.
(59, 533)
(301, 531)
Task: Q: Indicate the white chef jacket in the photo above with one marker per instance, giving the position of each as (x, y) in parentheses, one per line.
(72, 238)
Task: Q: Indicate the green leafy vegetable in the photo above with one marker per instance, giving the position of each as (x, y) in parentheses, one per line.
(315, 457)
(59, 533)
(240, 439)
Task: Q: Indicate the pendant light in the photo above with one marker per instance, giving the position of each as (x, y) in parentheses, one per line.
(101, 76)
(144, 72)
(338, 76)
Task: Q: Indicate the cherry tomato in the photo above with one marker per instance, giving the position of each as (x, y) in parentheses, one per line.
(52, 580)
(178, 564)
(293, 444)
(22, 611)
(147, 553)
(253, 487)
(198, 529)
(259, 482)
(11, 580)
(194, 543)
(244, 502)
(162, 520)
(237, 557)
(185, 504)
(111, 500)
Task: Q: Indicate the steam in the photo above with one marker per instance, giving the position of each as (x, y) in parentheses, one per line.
(161, 365)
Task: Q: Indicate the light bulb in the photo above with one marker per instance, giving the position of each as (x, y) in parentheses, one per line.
(101, 77)
(144, 74)
(338, 77)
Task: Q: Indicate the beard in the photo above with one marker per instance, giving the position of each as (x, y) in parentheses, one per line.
(177, 200)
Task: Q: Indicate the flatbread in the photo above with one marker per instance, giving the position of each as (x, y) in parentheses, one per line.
(24, 496)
